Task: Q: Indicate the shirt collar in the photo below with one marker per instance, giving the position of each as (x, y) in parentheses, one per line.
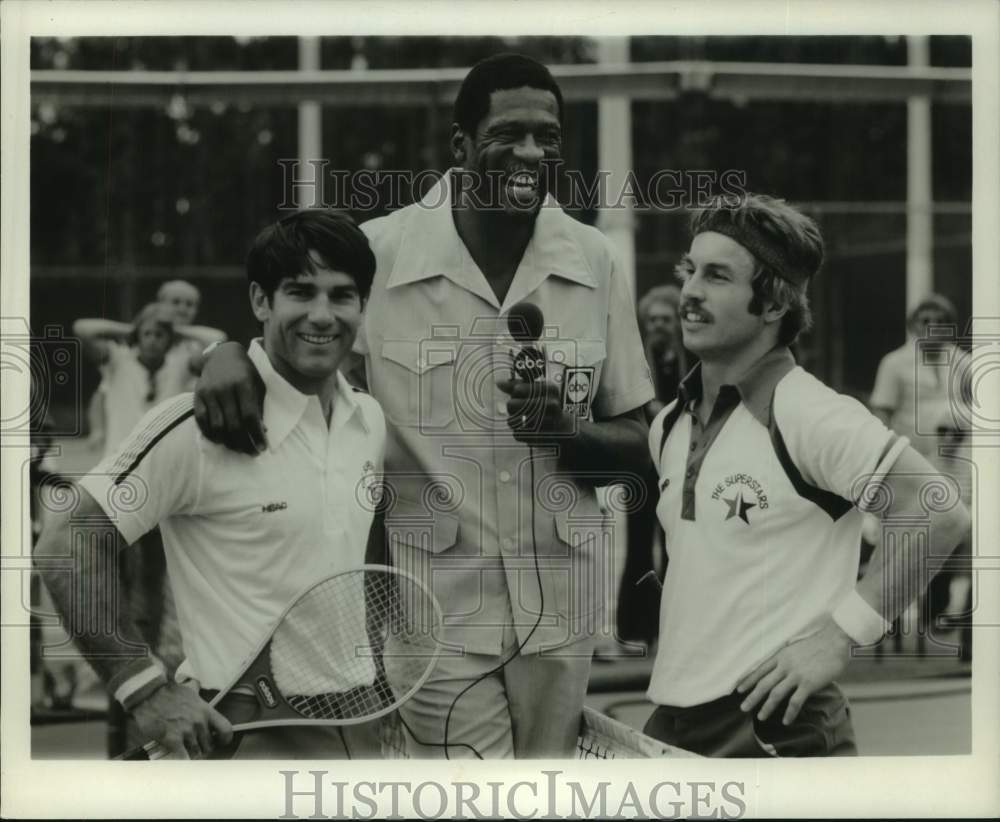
(755, 387)
(431, 247)
(284, 404)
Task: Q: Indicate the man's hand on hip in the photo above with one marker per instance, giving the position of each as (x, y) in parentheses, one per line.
(229, 399)
(797, 670)
(181, 721)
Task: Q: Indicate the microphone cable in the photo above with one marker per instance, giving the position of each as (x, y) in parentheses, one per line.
(531, 322)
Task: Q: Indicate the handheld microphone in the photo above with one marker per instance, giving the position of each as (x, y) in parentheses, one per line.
(525, 323)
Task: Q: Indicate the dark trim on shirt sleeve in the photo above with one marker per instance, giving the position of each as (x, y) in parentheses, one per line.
(160, 427)
(833, 504)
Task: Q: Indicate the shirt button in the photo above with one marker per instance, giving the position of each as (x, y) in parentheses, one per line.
(505, 476)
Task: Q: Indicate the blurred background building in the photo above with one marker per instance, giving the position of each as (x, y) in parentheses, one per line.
(133, 185)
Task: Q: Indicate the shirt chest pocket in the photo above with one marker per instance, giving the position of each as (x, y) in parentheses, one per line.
(415, 525)
(415, 384)
(575, 366)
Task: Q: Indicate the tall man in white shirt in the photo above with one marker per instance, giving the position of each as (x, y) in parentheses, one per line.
(494, 503)
(242, 536)
(764, 472)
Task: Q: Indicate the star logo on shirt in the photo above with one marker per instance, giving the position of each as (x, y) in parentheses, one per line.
(738, 508)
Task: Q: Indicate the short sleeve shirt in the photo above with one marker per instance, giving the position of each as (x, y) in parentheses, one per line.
(761, 520)
(243, 536)
(470, 506)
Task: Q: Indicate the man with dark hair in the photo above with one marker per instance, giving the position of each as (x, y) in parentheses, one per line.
(301, 240)
(243, 537)
(764, 473)
(492, 478)
(498, 73)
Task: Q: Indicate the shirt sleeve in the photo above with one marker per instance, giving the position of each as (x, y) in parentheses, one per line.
(625, 381)
(885, 393)
(835, 442)
(154, 473)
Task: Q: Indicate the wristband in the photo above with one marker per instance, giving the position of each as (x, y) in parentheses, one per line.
(136, 681)
(859, 620)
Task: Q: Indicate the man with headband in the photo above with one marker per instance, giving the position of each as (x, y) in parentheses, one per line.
(764, 475)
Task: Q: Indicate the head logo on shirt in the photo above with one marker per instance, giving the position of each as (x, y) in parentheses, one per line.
(577, 383)
(741, 493)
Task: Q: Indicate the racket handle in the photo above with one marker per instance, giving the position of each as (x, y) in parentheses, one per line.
(151, 750)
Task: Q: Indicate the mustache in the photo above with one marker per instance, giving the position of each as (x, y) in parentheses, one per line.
(696, 306)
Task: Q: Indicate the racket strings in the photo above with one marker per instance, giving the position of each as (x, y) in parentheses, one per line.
(329, 656)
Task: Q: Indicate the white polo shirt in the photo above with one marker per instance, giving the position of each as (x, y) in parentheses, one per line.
(244, 535)
(760, 509)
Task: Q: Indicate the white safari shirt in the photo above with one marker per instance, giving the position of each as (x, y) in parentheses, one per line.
(760, 509)
(467, 513)
(244, 535)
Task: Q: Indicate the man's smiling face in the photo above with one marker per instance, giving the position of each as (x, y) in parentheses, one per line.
(715, 298)
(309, 324)
(513, 142)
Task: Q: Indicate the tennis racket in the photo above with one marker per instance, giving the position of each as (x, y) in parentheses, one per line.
(600, 737)
(349, 649)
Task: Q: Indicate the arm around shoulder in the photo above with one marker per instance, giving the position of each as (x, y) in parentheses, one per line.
(229, 400)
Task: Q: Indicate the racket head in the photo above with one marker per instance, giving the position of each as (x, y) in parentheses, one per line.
(348, 649)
